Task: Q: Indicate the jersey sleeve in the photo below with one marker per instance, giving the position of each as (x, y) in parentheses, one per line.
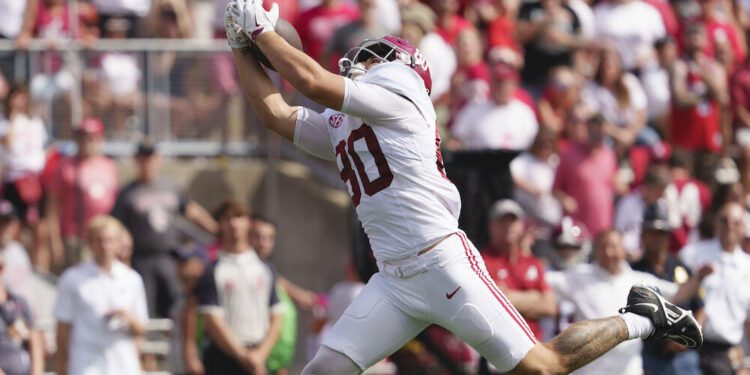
(206, 293)
(371, 101)
(311, 134)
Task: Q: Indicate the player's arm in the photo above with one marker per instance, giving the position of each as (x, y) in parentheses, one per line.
(304, 73)
(272, 109)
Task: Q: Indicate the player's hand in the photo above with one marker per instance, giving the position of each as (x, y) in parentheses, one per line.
(236, 37)
(254, 19)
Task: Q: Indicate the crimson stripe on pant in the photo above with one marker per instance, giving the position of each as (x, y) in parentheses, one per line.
(495, 292)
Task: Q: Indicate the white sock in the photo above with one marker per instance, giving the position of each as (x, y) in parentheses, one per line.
(638, 326)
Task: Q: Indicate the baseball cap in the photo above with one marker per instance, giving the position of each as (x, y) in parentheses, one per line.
(505, 207)
(656, 217)
(90, 125)
(146, 148)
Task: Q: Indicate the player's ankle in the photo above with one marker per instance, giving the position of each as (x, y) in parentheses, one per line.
(638, 326)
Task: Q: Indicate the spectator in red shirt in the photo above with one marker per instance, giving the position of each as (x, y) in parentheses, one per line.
(449, 23)
(518, 273)
(717, 31)
(698, 86)
(317, 25)
(586, 178)
(739, 90)
(84, 185)
(561, 95)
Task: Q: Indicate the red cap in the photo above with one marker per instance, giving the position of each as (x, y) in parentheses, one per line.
(91, 125)
(504, 72)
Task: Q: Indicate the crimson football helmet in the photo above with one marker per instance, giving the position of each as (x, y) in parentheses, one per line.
(387, 48)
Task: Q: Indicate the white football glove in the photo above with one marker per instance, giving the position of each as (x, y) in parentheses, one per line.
(236, 37)
(254, 19)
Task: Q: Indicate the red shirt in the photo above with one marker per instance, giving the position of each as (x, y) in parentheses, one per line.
(450, 32)
(588, 177)
(317, 25)
(697, 127)
(718, 32)
(93, 180)
(739, 88)
(526, 274)
(501, 32)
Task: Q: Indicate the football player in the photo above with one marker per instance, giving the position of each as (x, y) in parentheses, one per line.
(380, 128)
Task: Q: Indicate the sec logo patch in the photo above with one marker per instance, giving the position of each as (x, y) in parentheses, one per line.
(336, 120)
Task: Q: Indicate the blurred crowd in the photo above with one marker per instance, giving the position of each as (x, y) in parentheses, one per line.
(630, 118)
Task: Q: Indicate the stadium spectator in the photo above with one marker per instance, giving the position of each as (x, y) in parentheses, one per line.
(562, 93)
(726, 296)
(125, 254)
(655, 79)
(698, 90)
(533, 174)
(317, 25)
(367, 26)
(518, 274)
(418, 26)
(632, 26)
(21, 344)
(718, 31)
(502, 122)
(169, 19)
(263, 240)
(471, 81)
(631, 207)
(18, 270)
(599, 288)
(148, 207)
(586, 179)
(83, 186)
(619, 97)
(550, 32)
(237, 300)
(739, 90)
(192, 263)
(112, 87)
(449, 22)
(126, 12)
(12, 13)
(100, 309)
(500, 18)
(689, 196)
(23, 137)
(663, 356)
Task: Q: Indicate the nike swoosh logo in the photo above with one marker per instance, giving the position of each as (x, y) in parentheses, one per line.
(651, 305)
(256, 32)
(450, 295)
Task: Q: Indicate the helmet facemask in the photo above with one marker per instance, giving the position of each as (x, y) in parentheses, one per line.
(352, 64)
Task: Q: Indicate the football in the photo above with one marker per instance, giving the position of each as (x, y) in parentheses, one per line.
(286, 31)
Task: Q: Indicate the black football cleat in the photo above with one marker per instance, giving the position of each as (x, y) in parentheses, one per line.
(669, 320)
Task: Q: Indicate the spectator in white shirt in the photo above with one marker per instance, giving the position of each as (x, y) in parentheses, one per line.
(619, 97)
(633, 26)
(18, 273)
(598, 289)
(533, 175)
(501, 123)
(726, 296)
(23, 137)
(100, 309)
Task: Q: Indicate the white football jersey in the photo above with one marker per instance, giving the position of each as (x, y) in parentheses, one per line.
(386, 146)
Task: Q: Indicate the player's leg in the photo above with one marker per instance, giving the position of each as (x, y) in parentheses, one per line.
(578, 345)
(647, 315)
(372, 327)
